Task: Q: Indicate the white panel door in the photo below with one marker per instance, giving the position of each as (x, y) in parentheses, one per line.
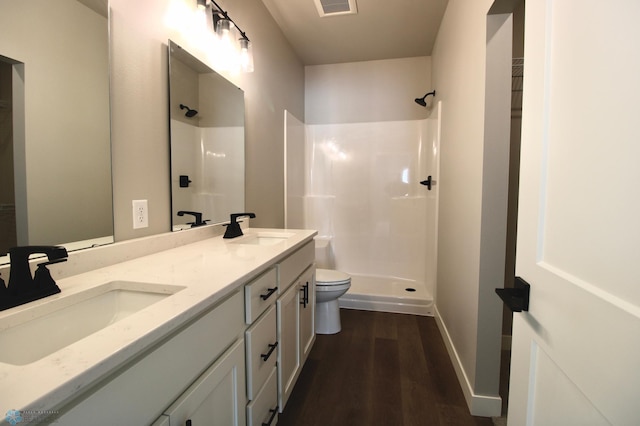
(576, 353)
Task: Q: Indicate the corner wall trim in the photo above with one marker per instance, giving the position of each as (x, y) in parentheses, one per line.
(479, 405)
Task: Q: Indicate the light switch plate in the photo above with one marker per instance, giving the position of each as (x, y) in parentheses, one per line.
(140, 214)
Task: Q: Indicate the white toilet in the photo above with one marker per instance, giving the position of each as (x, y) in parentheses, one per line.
(330, 285)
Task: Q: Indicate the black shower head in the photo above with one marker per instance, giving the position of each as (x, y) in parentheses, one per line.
(190, 112)
(421, 101)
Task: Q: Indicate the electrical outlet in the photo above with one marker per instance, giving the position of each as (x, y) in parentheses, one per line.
(140, 214)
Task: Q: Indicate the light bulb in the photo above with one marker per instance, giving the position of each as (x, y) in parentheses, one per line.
(246, 55)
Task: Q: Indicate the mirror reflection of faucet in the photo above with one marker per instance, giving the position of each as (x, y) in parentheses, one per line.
(233, 228)
(23, 287)
(198, 218)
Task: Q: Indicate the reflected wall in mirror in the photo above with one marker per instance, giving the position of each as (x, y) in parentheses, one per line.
(55, 154)
(207, 141)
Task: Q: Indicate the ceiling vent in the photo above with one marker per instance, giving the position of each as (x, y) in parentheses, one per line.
(336, 7)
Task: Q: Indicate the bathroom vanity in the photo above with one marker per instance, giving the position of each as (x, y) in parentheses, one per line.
(215, 332)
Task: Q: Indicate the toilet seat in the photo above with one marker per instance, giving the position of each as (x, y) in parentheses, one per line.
(329, 277)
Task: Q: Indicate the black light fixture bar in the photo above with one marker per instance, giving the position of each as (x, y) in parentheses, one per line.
(225, 15)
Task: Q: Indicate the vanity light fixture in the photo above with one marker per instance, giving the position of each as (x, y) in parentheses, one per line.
(224, 28)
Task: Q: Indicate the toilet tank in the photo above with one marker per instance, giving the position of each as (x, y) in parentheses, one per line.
(324, 253)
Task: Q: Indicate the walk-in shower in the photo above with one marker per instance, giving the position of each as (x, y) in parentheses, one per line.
(358, 184)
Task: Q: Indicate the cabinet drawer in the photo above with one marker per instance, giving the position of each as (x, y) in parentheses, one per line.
(262, 353)
(294, 265)
(265, 407)
(259, 294)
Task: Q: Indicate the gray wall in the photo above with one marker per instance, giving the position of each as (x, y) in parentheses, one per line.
(140, 138)
(473, 193)
(369, 91)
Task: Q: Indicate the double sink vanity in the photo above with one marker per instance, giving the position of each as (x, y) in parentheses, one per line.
(213, 331)
(171, 329)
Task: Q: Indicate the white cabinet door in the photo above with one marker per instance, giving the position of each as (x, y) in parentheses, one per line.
(576, 352)
(306, 285)
(217, 397)
(289, 342)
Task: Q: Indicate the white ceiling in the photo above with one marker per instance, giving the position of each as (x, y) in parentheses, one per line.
(380, 30)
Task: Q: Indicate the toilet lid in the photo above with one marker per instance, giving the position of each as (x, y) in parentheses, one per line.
(331, 277)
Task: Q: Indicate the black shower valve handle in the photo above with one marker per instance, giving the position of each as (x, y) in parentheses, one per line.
(428, 183)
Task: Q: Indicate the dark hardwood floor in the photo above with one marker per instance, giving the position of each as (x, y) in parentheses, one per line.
(381, 369)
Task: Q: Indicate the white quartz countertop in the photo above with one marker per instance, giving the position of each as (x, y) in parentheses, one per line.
(209, 270)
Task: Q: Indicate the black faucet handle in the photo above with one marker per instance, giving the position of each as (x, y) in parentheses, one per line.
(22, 287)
(51, 262)
(23, 252)
(196, 215)
(235, 216)
(233, 227)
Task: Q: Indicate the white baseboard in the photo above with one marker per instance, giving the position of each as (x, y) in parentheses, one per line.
(479, 405)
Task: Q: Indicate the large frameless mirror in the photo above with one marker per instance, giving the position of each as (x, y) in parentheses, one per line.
(55, 154)
(207, 142)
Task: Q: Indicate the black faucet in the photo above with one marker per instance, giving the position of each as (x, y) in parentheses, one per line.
(196, 215)
(233, 228)
(23, 287)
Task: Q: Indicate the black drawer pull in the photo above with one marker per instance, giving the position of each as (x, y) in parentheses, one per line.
(272, 347)
(268, 295)
(305, 295)
(188, 423)
(273, 412)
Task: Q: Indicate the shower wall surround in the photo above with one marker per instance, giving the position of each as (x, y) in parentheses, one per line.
(366, 146)
(214, 162)
(363, 191)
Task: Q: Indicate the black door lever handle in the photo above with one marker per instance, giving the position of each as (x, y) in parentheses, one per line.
(516, 298)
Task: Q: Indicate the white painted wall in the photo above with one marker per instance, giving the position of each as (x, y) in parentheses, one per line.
(140, 120)
(472, 210)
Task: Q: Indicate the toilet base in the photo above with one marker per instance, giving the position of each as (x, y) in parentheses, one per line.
(328, 317)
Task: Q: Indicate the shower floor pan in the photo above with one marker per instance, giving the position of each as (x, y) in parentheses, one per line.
(387, 294)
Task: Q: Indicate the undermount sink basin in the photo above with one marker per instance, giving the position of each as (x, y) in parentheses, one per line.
(33, 333)
(264, 238)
